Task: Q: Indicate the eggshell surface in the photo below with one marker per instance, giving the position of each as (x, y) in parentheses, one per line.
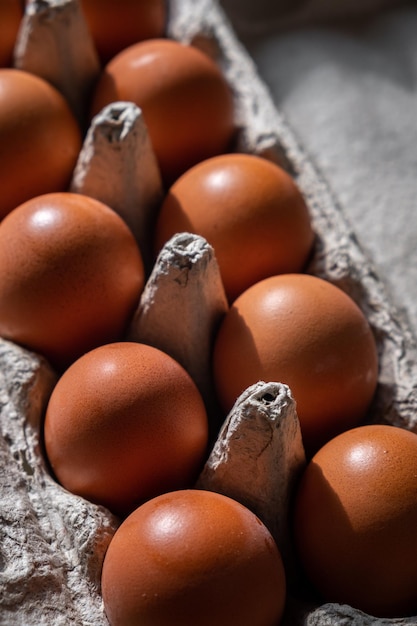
(193, 557)
(39, 139)
(71, 275)
(355, 520)
(117, 25)
(11, 13)
(303, 331)
(250, 211)
(124, 423)
(187, 104)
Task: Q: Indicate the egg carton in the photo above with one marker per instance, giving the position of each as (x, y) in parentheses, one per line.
(53, 542)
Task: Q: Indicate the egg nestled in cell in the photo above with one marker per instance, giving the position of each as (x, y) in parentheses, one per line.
(355, 518)
(71, 274)
(187, 104)
(116, 25)
(303, 331)
(249, 209)
(39, 139)
(193, 557)
(125, 423)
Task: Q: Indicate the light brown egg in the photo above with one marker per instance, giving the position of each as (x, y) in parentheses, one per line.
(187, 104)
(71, 275)
(250, 211)
(39, 139)
(191, 558)
(303, 331)
(355, 520)
(124, 423)
(117, 25)
(11, 13)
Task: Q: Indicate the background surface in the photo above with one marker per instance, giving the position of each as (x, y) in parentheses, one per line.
(348, 88)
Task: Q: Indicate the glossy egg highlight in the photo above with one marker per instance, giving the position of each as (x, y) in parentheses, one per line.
(193, 557)
(39, 139)
(187, 104)
(355, 520)
(71, 275)
(304, 331)
(249, 209)
(124, 423)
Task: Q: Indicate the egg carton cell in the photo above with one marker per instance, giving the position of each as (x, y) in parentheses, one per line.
(53, 542)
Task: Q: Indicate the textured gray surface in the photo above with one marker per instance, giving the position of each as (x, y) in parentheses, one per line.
(349, 92)
(273, 15)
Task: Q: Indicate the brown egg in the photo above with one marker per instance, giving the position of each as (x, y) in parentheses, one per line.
(11, 13)
(191, 558)
(356, 517)
(186, 102)
(124, 423)
(117, 25)
(71, 275)
(39, 139)
(303, 331)
(248, 209)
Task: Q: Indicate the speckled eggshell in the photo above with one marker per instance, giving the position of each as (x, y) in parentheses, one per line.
(356, 517)
(305, 332)
(193, 557)
(249, 209)
(39, 139)
(186, 101)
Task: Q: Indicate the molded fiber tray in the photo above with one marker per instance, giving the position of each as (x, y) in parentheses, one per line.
(51, 542)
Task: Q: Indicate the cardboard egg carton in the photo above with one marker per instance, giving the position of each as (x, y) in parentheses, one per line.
(52, 542)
